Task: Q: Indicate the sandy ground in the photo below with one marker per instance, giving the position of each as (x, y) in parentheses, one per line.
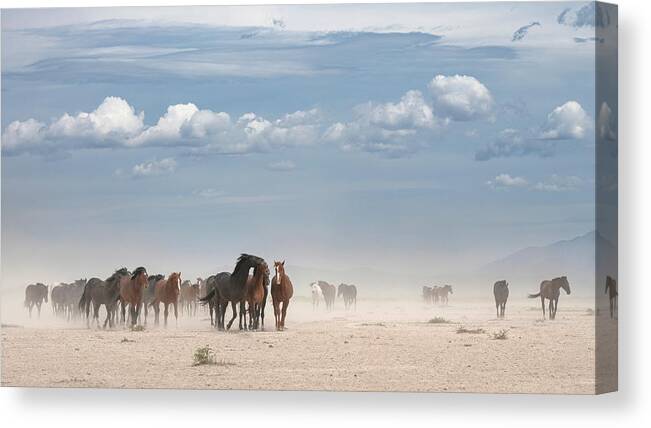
(383, 346)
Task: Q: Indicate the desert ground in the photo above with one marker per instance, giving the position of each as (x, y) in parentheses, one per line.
(385, 345)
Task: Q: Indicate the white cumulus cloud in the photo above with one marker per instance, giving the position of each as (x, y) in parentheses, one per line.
(503, 181)
(460, 98)
(153, 168)
(116, 124)
(392, 129)
(113, 122)
(567, 122)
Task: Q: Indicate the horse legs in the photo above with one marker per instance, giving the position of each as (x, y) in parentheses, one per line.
(221, 315)
(551, 309)
(497, 308)
(176, 313)
(277, 314)
(282, 322)
(234, 308)
(555, 307)
(542, 301)
(38, 306)
(166, 311)
(156, 305)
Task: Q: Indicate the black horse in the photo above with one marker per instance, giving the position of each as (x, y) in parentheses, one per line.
(349, 293)
(231, 288)
(98, 293)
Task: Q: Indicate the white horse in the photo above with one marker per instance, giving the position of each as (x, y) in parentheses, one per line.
(317, 295)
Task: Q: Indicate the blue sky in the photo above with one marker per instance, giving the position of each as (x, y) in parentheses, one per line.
(429, 137)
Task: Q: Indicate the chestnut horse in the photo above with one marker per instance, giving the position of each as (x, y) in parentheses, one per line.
(131, 292)
(281, 291)
(256, 294)
(167, 292)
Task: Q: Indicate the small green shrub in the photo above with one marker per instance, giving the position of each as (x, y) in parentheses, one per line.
(438, 320)
(204, 356)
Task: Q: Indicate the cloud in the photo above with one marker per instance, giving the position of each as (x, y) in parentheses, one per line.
(283, 165)
(504, 181)
(567, 122)
(393, 129)
(522, 32)
(589, 15)
(512, 143)
(154, 168)
(208, 193)
(113, 122)
(460, 98)
(116, 124)
(605, 123)
(558, 183)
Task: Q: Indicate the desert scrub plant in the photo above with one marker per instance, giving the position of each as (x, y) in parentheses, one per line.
(203, 356)
(462, 330)
(501, 335)
(438, 320)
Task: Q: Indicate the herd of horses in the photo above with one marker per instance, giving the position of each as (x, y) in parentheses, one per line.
(322, 290)
(245, 288)
(549, 290)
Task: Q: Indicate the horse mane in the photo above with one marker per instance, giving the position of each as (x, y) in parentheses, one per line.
(120, 272)
(138, 271)
(157, 277)
(241, 272)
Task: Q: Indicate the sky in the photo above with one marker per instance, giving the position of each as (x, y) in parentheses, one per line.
(423, 138)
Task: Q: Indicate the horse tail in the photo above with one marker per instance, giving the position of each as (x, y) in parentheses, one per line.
(208, 297)
(533, 296)
(85, 298)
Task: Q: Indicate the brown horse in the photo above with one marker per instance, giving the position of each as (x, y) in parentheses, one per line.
(255, 293)
(35, 294)
(188, 298)
(131, 292)
(167, 292)
(551, 290)
(281, 291)
(611, 290)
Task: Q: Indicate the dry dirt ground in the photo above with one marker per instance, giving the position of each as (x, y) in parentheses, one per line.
(383, 346)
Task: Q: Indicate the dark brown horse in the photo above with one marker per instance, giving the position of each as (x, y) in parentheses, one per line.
(281, 291)
(611, 290)
(35, 294)
(550, 290)
(131, 293)
(167, 292)
(98, 293)
(501, 293)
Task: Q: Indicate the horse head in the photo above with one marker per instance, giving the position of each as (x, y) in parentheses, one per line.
(280, 271)
(175, 280)
(565, 285)
(139, 277)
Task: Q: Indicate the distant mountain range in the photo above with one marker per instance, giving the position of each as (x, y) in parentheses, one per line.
(523, 269)
(574, 258)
